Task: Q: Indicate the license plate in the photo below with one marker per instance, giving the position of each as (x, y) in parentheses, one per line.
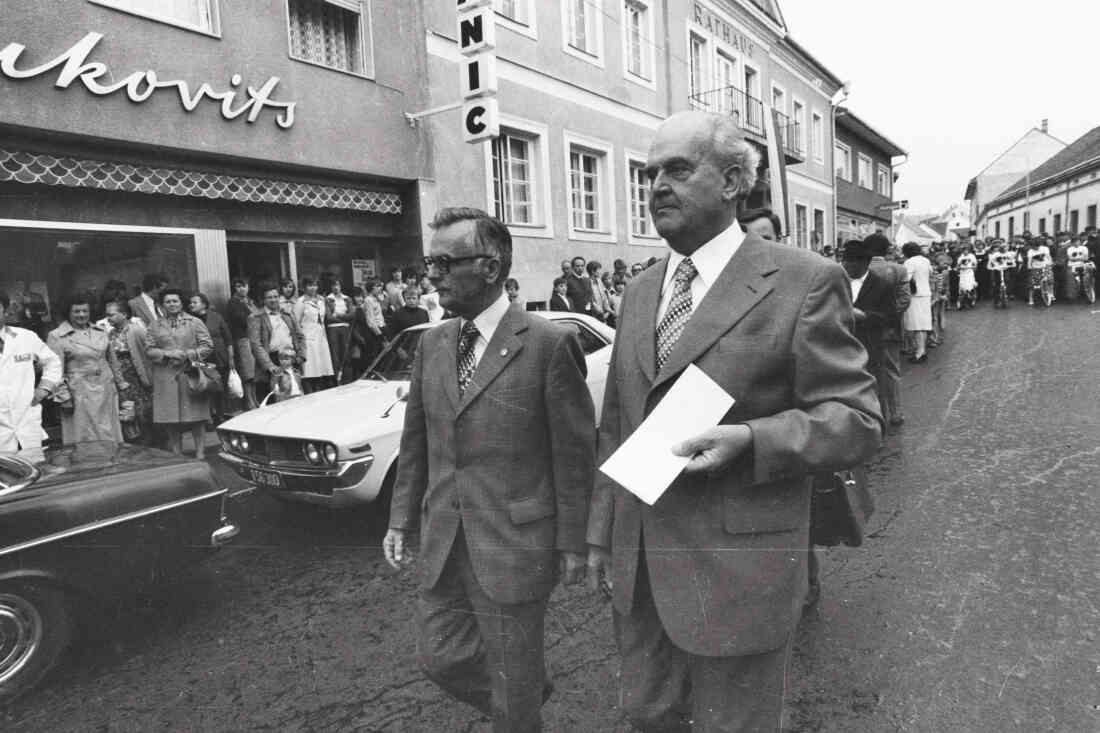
(265, 478)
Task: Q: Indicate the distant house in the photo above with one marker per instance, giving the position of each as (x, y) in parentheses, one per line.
(1061, 194)
(1036, 146)
(912, 229)
(864, 177)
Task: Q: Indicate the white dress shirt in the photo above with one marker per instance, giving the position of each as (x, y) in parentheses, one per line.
(709, 261)
(486, 323)
(857, 285)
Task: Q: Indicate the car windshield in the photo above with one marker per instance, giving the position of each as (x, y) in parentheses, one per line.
(396, 362)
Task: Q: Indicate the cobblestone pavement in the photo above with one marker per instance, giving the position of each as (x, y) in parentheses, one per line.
(973, 606)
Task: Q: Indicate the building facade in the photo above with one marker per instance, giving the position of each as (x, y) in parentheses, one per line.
(1036, 146)
(1060, 195)
(207, 139)
(738, 58)
(581, 89)
(864, 178)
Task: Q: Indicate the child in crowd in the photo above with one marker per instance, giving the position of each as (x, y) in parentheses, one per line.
(287, 383)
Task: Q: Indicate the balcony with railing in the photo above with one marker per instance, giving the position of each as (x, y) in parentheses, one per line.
(748, 112)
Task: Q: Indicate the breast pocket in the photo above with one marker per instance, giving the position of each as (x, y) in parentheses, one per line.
(759, 341)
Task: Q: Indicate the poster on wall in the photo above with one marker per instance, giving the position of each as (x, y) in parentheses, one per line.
(362, 270)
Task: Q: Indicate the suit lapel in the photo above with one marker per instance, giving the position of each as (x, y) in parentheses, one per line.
(742, 284)
(448, 349)
(503, 347)
(649, 298)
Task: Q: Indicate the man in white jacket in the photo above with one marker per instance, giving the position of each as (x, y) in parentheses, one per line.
(20, 410)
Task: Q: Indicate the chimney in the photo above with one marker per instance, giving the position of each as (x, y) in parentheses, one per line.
(1045, 125)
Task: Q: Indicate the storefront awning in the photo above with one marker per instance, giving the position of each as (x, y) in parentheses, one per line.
(27, 167)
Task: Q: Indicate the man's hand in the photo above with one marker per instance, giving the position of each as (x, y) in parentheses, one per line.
(715, 450)
(397, 555)
(39, 394)
(859, 314)
(571, 567)
(599, 569)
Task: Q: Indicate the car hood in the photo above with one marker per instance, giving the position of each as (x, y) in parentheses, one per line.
(95, 460)
(343, 415)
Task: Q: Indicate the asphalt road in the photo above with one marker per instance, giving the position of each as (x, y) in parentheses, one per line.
(973, 606)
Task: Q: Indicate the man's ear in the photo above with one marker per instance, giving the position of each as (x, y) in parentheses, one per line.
(732, 183)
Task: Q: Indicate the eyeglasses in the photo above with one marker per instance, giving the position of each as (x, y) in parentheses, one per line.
(443, 262)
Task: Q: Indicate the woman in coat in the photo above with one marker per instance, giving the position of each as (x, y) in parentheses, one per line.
(92, 412)
(131, 363)
(917, 320)
(222, 357)
(310, 317)
(173, 343)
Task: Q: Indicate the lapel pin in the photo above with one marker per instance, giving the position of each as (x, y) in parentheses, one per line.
(504, 352)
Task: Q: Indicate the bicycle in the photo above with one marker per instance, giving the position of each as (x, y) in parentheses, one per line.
(1084, 274)
(1000, 290)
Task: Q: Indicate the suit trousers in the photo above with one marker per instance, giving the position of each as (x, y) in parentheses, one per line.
(888, 377)
(667, 690)
(481, 652)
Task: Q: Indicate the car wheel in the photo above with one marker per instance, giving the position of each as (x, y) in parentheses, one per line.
(36, 626)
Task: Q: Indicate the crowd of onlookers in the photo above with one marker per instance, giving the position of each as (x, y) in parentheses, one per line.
(148, 368)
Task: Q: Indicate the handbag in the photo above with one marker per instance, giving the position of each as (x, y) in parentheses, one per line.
(203, 378)
(912, 286)
(840, 505)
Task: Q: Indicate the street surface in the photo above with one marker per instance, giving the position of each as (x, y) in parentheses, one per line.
(973, 606)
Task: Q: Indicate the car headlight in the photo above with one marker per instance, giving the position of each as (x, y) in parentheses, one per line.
(330, 453)
(234, 441)
(245, 447)
(312, 454)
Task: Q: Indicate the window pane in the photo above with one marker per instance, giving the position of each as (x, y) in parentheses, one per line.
(639, 200)
(325, 34)
(514, 9)
(194, 13)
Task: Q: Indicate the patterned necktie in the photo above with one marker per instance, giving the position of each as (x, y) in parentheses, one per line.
(466, 364)
(678, 312)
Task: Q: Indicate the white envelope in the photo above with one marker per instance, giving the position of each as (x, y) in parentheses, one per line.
(644, 464)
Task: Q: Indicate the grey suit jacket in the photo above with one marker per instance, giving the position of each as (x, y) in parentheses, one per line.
(511, 461)
(727, 553)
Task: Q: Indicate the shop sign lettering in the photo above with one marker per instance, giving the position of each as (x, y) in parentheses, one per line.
(723, 30)
(141, 85)
(478, 70)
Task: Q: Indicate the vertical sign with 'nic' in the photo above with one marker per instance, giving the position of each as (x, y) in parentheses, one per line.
(477, 40)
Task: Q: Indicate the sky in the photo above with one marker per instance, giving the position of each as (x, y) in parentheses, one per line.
(957, 82)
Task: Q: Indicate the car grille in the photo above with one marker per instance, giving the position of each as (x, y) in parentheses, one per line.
(269, 449)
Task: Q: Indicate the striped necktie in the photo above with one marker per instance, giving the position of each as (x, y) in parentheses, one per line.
(678, 313)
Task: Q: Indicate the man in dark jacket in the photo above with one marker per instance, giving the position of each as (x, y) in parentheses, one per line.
(872, 301)
(410, 315)
(579, 287)
(889, 373)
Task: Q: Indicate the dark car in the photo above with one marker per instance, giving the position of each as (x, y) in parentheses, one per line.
(86, 523)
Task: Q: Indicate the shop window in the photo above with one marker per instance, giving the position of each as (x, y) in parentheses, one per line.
(350, 262)
(199, 15)
(332, 33)
(46, 266)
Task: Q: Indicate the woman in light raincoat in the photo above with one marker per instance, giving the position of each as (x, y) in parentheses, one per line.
(20, 410)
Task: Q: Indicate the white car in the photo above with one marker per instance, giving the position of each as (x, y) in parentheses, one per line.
(339, 447)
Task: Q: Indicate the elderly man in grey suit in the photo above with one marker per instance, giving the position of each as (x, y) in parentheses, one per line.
(707, 584)
(496, 468)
